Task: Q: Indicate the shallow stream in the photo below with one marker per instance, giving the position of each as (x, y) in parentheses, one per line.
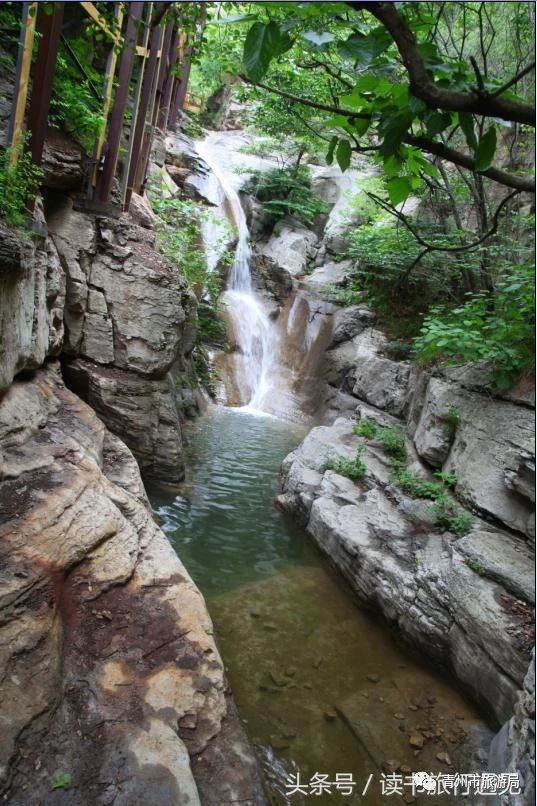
(321, 686)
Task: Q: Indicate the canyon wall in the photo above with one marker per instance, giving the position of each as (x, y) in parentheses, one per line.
(112, 688)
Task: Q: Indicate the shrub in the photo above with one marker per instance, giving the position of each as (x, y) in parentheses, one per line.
(451, 518)
(414, 486)
(392, 438)
(351, 468)
(393, 441)
(498, 326)
(18, 181)
(73, 106)
(286, 191)
(366, 428)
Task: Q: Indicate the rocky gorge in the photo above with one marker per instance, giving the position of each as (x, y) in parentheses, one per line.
(109, 649)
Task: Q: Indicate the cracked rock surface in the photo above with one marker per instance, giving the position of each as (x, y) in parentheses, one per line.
(110, 676)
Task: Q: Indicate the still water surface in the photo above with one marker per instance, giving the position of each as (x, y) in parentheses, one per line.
(322, 686)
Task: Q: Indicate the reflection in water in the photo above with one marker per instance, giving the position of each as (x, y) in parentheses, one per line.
(321, 686)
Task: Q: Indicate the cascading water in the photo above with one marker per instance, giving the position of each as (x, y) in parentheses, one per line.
(255, 337)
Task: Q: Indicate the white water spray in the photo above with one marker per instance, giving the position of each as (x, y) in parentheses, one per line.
(254, 334)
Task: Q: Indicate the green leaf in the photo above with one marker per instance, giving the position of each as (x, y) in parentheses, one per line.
(436, 122)
(319, 40)
(484, 153)
(61, 781)
(362, 49)
(264, 42)
(467, 125)
(331, 149)
(343, 154)
(399, 189)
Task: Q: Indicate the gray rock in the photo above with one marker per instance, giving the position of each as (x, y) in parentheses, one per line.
(62, 162)
(513, 748)
(349, 322)
(490, 449)
(329, 274)
(32, 296)
(342, 359)
(387, 547)
(383, 383)
(290, 245)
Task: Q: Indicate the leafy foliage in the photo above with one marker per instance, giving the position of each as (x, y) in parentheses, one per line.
(450, 517)
(73, 106)
(18, 181)
(351, 468)
(498, 326)
(286, 191)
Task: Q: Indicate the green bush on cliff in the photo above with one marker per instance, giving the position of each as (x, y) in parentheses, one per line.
(18, 181)
(286, 191)
(498, 326)
(353, 468)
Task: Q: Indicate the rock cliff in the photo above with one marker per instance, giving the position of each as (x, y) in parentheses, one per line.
(111, 677)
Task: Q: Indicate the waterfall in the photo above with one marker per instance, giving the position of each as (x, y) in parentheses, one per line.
(253, 333)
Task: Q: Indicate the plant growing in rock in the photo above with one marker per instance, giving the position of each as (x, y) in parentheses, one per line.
(366, 428)
(448, 479)
(451, 518)
(18, 181)
(474, 566)
(354, 468)
(451, 417)
(286, 191)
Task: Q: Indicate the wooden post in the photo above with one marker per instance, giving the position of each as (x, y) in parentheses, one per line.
(105, 180)
(143, 109)
(163, 71)
(137, 112)
(164, 110)
(50, 28)
(22, 75)
(108, 83)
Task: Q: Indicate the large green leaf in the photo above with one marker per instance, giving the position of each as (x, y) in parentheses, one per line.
(331, 149)
(343, 154)
(467, 125)
(484, 153)
(264, 42)
(363, 48)
(399, 189)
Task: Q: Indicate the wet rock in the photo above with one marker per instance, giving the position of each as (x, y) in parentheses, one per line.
(330, 716)
(419, 579)
(373, 678)
(444, 758)
(103, 596)
(290, 246)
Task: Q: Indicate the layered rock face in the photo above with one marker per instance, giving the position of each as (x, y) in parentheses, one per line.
(130, 319)
(111, 675)
(467, 602)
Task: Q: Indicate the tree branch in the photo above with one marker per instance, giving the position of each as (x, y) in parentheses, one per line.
(520, 183)
(424, 88)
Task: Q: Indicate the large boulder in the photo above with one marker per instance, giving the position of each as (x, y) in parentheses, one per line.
(111, 675)
(329, 274)
(383, 383)
(290, 245)
(62, 162)
(350, 322)
(429, 584)
(487, 443)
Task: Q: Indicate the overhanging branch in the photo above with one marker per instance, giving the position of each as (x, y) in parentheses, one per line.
(520, 183)
(424, 88)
